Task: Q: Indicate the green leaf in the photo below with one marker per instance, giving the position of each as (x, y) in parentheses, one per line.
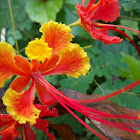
(125, 99)
(69, 119)
(54, 79)
(18, 14)
(132, 24)
(43, 11)
(80, 84)
(129, 4)
(133, 70)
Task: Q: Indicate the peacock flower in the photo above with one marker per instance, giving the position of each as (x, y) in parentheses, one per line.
(52, 54)
(107, 11)
(10, 127)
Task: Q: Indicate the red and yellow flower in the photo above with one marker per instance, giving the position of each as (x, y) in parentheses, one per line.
(107, 11)
(10, 126)
(52, 54)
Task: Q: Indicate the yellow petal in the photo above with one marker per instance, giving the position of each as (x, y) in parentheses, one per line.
(38, 50)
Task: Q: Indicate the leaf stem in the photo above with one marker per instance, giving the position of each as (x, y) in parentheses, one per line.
(98, 85)
(77, 23)
(12, 20)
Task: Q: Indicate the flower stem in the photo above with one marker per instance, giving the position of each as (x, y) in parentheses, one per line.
(77, 23)
(12, 20)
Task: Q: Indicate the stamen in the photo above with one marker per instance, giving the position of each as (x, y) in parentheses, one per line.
(134, 84)
(91, 113)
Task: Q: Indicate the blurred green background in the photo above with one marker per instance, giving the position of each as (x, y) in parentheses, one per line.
(112, 66)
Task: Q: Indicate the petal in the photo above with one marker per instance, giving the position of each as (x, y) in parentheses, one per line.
(42, 125)
(106, 12)
(7, 63)
(23, 64)
(5, 119)
(100, 34)
(27, 132)
(20, 105)
(38, 50)
(10, 133)
(86, 21)
(49, 64)
(20, 83)
(44, 96)
(73, 62)
(57, 35)
(45, 110)
(90, 3)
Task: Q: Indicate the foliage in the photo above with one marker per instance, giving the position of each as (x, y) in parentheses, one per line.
(110, 68)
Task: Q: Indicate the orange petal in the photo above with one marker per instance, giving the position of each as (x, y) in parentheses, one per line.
(20, 105)
(49, 64)
(20, 83)
(23, 64)
(73, 62)
(7, 63)
(57, 35)
(44, 95)
(10, 133)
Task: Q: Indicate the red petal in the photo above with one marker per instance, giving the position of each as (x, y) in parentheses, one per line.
(90, 3)
(23, 64)
(73, 62)
(42, 125)
(99, 34)
(20, 83)
(10, 133)
(45, 111)
(106, 12)
(44, 95)
(27, 132)
(49, 64)
(5, 119)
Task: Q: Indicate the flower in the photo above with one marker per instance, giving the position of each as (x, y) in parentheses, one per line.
(107, 11)
(56, 56)
(52, 54)
(10, 130)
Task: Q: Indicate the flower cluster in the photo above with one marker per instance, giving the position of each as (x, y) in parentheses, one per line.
(107, 11)
(54, 53)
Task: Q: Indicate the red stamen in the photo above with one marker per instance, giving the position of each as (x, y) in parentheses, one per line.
(134, 84)
(94, 114)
